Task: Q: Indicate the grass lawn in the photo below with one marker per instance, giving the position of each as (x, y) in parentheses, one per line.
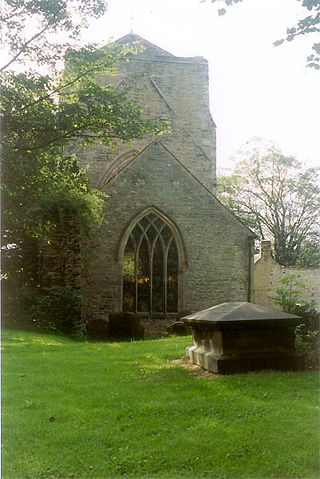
(105, 410)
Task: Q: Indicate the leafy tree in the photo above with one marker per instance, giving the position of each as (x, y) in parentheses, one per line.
(274, 195)
(43, 188)
(33, 29)
(309, 24)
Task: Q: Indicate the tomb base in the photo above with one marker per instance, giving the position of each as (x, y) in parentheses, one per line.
(227, 364)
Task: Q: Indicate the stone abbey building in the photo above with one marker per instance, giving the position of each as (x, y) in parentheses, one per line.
(168, 244)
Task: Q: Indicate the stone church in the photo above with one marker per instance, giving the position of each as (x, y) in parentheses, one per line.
(168, 245)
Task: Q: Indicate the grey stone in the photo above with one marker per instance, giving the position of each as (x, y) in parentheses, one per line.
(241, 336)
(174, 177)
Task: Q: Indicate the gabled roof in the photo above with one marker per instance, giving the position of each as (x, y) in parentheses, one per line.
(149, 47)
(119, 167)
(155, 51)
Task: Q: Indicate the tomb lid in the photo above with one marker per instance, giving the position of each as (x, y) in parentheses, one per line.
(238, 311)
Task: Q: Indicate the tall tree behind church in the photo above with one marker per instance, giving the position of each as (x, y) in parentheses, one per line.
(278, 198)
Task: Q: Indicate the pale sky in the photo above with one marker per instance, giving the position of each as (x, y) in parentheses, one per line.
(255, 88)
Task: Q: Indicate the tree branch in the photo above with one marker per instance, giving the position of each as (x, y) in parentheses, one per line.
(24, 46)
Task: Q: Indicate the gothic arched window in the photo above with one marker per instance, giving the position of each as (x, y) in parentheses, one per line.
(150, 268)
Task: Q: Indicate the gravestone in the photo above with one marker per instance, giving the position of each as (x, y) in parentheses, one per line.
(241, 336)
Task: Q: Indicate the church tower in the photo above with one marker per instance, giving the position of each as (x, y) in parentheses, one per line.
(168, 245)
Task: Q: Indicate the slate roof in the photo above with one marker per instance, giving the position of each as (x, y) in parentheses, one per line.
(235, 312)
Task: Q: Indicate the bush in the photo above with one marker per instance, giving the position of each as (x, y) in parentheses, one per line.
(290, 294)
(307, 335)
(58, 309)
(290, 297)
(125, 326)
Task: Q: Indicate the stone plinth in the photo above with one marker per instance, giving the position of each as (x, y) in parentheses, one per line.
(239, 337)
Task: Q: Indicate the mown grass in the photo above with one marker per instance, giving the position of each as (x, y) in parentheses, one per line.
(125, 410)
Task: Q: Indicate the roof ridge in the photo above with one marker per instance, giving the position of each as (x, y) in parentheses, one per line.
(137, 38)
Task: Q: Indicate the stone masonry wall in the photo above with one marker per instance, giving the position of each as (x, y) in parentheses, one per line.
(174, 176)
(62, 260)
(168, 88)
(268, 274)
(217, 265)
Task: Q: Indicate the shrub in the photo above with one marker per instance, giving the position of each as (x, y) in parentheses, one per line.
(307, 335)
(290, 297)
(58, 309)
(290, 294)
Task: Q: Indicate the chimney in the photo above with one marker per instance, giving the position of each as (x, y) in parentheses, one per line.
(265, 249)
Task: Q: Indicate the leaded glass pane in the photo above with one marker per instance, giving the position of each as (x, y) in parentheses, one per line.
(150, 268)
(166, 234)
(172, 279)
(152, 233)
(129, 277)
(158, 279)
(143, 278)
(159, 224)
(152, 217)
(144, 222)
(136, 233)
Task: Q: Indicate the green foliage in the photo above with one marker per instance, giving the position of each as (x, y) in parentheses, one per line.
(32, 29)
(44, 189)
(309, 255)
(290, 294)
(307, 25)
(290, 297)
(149, 416)
(57, 310)
(308, 335)
(275, 196)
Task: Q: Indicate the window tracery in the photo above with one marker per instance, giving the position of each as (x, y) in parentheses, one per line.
(150, 268)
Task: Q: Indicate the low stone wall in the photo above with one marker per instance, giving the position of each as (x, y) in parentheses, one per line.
(268, 274)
